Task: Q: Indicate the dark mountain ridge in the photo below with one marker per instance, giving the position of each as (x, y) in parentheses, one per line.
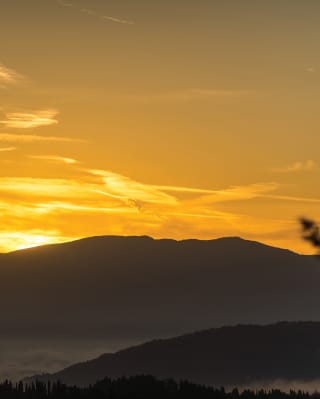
(139, 288)
(228, 356)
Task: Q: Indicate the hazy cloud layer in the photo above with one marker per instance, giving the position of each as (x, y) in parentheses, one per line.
(23, 358)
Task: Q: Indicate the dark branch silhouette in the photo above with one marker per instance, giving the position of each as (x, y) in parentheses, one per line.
(310, 231)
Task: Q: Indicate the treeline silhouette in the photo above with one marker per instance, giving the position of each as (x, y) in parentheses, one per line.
(139, 387)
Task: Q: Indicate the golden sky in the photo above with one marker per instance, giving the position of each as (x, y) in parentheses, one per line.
(177, 119)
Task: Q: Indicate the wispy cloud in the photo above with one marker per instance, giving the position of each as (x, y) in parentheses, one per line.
(5, 149)
(85, 194)
(64, 3)
(9, 76)
(311, 69)
(105, 17)
(299, 166)
(117, 20)
(291, 198)
(30, 138)
(181, 200)
(95, 14)
(27, 120)
(126, 188)
(45, 188)
(54, 158)
(238, 193)
(93, 202)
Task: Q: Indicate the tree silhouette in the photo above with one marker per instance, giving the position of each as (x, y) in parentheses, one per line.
(139, 387)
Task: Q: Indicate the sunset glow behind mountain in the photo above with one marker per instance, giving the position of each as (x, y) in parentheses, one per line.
(168, 119)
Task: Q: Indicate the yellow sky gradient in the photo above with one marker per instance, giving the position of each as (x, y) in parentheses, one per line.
(152, 118)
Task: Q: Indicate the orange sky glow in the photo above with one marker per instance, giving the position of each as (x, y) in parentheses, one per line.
(148, 118)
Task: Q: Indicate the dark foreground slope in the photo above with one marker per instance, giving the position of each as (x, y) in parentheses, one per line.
(140, 288)
(229, 356)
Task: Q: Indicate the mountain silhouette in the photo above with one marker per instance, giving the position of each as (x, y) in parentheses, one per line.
(138, 288)
(227, 356)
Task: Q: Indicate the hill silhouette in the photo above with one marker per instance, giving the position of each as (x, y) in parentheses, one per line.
(227, 356)
(140, 288)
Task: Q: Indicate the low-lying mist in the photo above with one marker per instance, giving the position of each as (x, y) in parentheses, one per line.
(310, 386)
(23, 358)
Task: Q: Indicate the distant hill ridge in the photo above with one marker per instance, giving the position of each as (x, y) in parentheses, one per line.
(229, 356)
(138, 288)
(116, 239)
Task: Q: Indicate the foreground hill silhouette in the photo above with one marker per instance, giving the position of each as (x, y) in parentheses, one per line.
(227, 356)
(139, 288)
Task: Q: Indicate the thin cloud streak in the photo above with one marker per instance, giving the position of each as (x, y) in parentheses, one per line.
(105, 17)
(184, 189)
(7, 149)
(292, 198)
(231, 194)
(54, 158)
(30, 138)
(117, 20)
(95, 14)
(28, 120)
(46, 188)
(237, 193)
